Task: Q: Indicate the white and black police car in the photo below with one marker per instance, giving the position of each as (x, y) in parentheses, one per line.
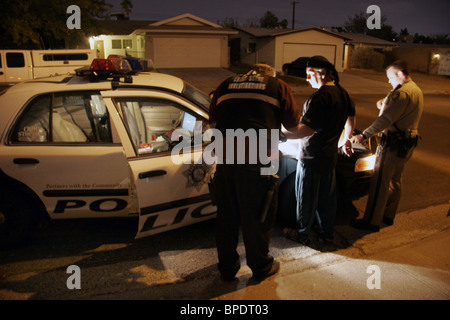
(98, 145)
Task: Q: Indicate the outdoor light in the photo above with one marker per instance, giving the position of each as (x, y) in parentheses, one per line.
(93, 39)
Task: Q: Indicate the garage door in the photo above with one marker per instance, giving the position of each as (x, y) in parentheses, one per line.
(186, 52)
(292, 51)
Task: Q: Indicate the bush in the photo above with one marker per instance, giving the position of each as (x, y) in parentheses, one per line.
(367, 58)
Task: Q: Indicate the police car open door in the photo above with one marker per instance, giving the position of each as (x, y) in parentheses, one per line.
(170, 179)
(171, 196)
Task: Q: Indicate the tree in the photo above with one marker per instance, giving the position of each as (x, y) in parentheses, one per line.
(270, 20)
(386, 32)
(433, 39)
(229, 22)
(36, 24)
(358, 24)
(126, 6)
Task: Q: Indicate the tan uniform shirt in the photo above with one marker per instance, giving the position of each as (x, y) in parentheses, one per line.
(403, 106)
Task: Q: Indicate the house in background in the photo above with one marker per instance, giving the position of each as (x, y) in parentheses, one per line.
(279, 46)
(427, 58)
(184, 41)
(121, 39)
(188, 41)
(361, 42)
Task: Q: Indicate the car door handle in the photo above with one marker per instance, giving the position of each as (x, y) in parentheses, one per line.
(25, 161)
(151, 174)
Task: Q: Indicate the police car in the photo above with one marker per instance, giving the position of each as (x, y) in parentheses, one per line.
(97, 144)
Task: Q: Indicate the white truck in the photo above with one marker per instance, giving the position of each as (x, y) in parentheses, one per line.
(21, 65)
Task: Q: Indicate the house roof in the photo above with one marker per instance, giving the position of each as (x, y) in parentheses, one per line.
(365, 39)
(265, 32)
(422, 45)
(124, 27)
(185, 23)
(349, 37)
(186, 19)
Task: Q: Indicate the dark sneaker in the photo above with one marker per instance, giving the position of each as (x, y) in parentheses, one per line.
(388, 221)
(364, 225)
(274, 269)
(293, 235)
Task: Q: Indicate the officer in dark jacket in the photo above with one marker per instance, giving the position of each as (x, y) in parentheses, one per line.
(245, 196)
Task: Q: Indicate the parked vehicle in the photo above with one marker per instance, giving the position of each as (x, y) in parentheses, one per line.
(21, 65)
(296, 67)
(94, 145)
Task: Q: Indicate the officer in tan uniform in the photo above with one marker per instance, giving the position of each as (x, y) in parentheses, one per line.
(399, 117)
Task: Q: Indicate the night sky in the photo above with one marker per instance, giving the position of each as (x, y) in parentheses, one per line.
(426, 17)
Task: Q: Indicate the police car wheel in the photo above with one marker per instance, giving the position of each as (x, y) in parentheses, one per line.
(17, 219)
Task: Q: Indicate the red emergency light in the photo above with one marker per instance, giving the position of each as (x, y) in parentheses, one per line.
(111, 64)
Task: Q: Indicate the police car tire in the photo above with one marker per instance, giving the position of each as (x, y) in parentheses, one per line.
(18, 219)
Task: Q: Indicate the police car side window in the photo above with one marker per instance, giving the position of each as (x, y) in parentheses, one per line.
(67, 117)
(33, 125)
(151, 122)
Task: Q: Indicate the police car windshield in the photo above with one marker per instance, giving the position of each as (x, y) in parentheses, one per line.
(196, 96)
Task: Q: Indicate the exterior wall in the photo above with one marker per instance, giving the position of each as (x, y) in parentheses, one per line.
(244, 54)
(188, 51)
(265, 48)
(425, 59)
(104, 45)
(310, 38)
(224, 52)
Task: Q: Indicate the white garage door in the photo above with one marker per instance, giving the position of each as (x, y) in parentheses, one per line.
(186, 52)
(292, 51)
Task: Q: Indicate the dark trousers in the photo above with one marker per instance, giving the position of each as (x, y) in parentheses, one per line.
(241, 192)
(316, 200)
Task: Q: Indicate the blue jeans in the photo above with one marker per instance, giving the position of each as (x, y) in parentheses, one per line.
(316, 198)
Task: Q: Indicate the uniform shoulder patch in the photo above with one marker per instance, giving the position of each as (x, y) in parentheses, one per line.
(395, 96)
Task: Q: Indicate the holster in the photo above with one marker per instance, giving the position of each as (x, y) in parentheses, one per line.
(400, 141)
(273, 185)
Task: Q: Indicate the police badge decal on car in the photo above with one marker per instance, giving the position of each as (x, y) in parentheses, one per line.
(197, 175)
